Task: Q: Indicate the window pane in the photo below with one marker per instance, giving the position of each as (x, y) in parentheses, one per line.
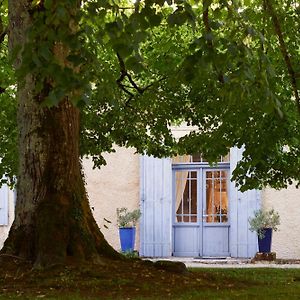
(196, 158)
(186, 196)
(216, 197)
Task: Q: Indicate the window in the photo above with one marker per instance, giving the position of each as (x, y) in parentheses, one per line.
(216, 207)
(201, 191)
(197, 158)
(186, 196)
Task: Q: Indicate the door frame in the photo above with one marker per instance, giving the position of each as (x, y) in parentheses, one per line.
(156, 236)
(201, 169)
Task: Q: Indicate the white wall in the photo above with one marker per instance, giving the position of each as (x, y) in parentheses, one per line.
(286, 241)
(115, 185)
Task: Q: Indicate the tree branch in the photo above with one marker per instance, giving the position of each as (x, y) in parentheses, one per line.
(153, 83)
(2, 35)
(135, 86)
(284, 51)
(122, 77)
(3, 31)
(205, 18)
(125, 74)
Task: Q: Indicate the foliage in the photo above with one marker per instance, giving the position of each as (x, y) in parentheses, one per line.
(264, 219)
(127, 218)
(229, 68)
(130, 254)
(8, 121)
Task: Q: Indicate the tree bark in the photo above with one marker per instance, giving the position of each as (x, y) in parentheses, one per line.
(53, 222)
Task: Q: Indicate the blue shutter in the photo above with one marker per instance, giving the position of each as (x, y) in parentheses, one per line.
(243, 242)
(4, 193)
(156, 203)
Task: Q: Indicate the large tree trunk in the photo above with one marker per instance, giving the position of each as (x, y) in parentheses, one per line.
(53, 222)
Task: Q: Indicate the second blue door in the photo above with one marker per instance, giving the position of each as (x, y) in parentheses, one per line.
(201, 212)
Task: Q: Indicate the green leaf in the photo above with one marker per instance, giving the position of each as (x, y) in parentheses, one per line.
(206, 4)
(54, 97)
(140, 36)
(216, 25)
(155, 19)
(36, 59)
(35, 3)
(209, 36)
(45, 52)
(75, 59)
(123, 49)
(48, 4)
(62, 14)
(177, 18)
(134, 64)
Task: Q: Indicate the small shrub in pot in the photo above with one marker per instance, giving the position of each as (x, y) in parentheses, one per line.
(262, 220)
(126, 218)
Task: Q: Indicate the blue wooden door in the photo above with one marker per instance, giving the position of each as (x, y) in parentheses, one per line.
(4, 194)
(201, 212)
(156, 202)
(243, 242)
(187, 228)
(215, 216)
(202, 226)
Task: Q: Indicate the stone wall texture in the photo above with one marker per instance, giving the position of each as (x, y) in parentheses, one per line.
(117, 184)
(114, 186)
(286, 241)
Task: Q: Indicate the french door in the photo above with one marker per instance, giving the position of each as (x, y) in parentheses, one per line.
(200, 212)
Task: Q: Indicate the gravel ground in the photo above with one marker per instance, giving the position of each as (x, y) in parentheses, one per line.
(234, 263)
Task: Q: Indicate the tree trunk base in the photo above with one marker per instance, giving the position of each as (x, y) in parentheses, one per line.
(72, 236)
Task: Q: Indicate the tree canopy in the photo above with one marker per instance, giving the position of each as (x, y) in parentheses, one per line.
(230, 69)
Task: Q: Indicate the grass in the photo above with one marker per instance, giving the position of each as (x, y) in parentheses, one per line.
(260, 283)
(135, 280)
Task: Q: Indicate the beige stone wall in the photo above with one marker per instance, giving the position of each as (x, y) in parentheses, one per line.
(114, 186)
(286, 241)
(117, 185)
(4, 229)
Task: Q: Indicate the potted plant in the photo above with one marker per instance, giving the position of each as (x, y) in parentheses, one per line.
(264, 222)
(126, 221)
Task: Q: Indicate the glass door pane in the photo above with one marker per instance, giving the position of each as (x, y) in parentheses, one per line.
(216, 194)
(185, 196)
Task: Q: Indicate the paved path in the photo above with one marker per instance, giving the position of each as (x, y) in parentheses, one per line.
(230, 263)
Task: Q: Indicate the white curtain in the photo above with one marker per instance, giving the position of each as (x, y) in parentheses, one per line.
(181, 180)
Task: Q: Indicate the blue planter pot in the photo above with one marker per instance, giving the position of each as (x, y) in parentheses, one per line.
(264, 244)
(127, 238)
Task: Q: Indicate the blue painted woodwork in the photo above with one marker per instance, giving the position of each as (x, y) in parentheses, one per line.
(4, 194)
(156, 203)
(216, 241)
(199, 238)
(186, 240)
(264, 244)
(242, 242)
(127, 238)
(160, 236)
